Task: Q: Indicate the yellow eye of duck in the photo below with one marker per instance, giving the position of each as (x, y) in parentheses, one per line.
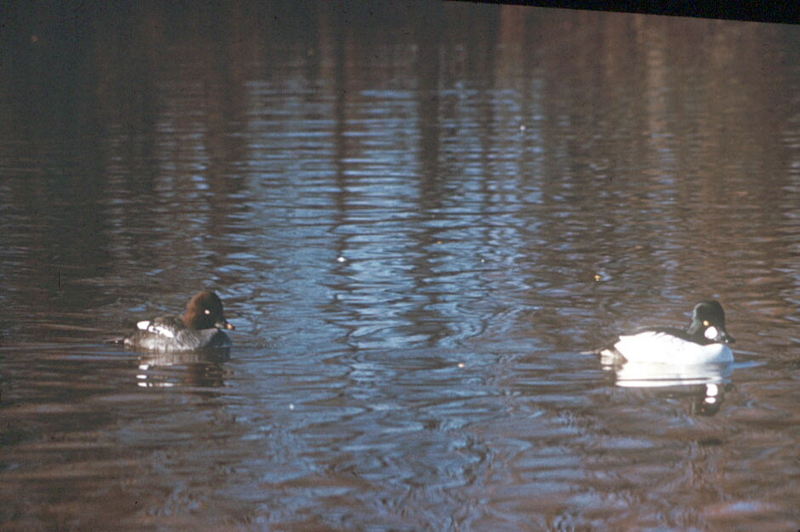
(705, 323)
(206, 311)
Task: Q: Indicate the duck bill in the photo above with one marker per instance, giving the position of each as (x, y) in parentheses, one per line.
(224, 324)
(724, 337)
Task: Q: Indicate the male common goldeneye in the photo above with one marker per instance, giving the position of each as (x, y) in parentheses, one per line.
(198, 328)
(704, 342)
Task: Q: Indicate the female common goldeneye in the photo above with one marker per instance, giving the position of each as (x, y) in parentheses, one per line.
(198, 328)
(703, 342)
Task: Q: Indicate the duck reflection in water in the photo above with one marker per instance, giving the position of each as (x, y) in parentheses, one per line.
(704, 384)
(185, 369)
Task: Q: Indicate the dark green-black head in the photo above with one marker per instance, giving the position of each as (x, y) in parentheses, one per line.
(708, 321)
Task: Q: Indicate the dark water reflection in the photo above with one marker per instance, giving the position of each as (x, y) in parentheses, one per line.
(419, 218)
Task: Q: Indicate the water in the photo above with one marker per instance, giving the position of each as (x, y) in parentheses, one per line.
(419, 219)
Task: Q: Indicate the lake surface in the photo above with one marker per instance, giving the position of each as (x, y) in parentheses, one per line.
(420, 218)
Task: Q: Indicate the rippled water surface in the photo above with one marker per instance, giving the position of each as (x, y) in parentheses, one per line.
(421, 219)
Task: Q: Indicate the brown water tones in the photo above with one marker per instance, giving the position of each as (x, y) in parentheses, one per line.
(420, 218)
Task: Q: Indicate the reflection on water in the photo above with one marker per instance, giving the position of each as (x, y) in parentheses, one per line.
(643, 375)
(703, 384)
(201, 369)
(419, 217)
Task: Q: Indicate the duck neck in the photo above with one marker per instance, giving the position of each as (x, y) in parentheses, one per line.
(695, 330)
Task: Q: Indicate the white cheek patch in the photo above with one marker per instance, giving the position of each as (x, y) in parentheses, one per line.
(143, 325)
(711, 333)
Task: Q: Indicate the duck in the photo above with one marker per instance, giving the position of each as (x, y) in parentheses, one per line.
(201, 326)
(705, 341)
